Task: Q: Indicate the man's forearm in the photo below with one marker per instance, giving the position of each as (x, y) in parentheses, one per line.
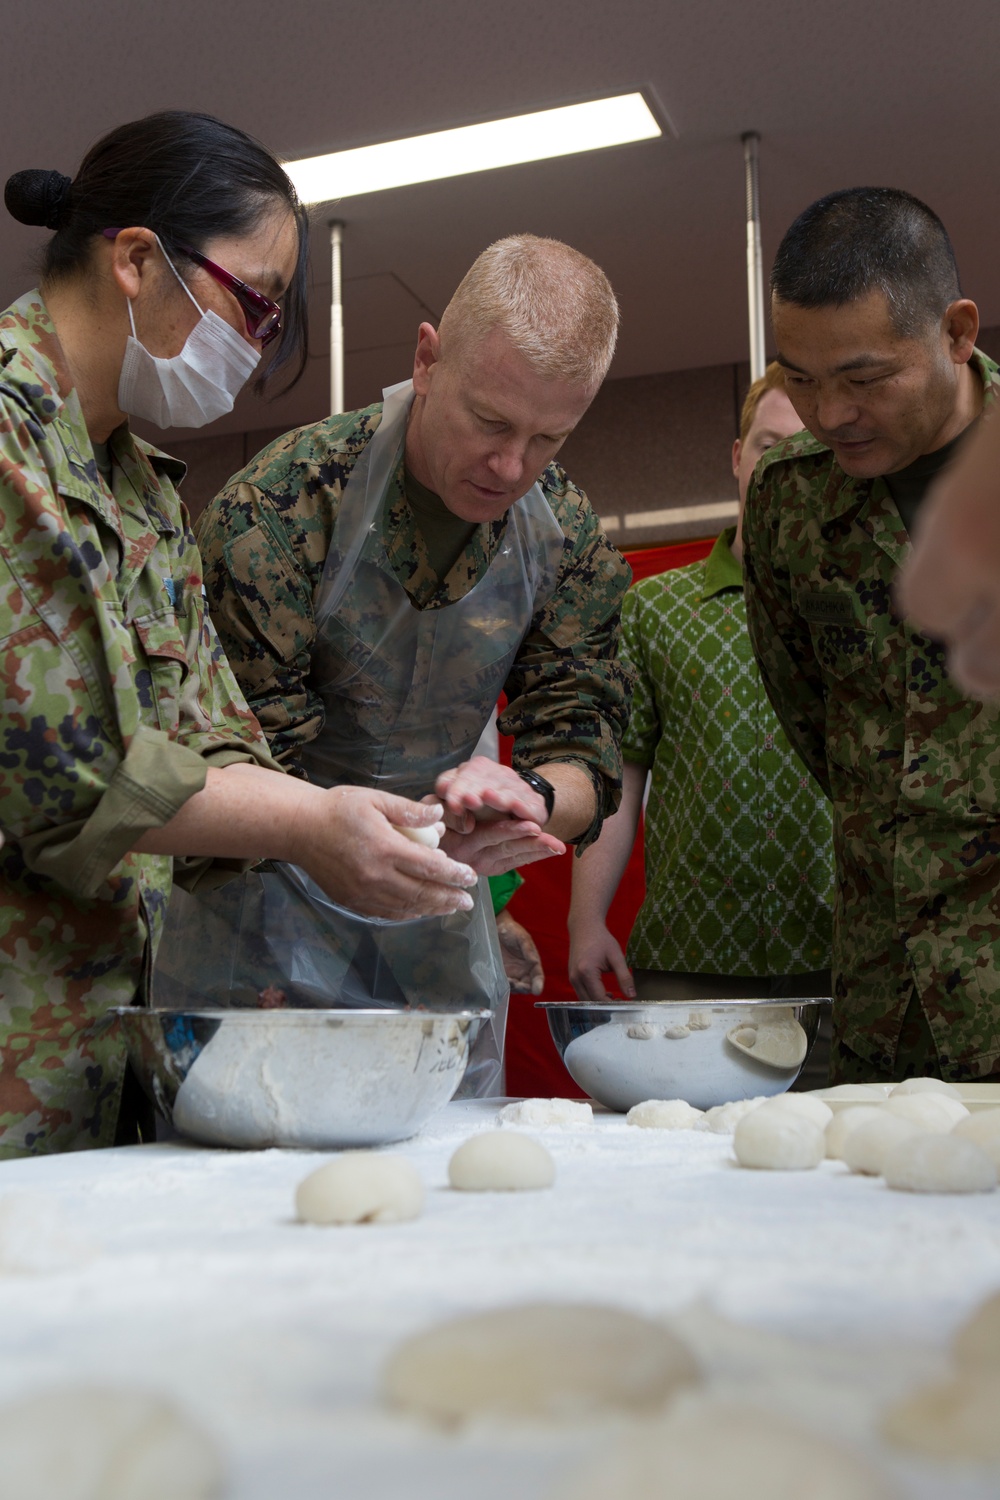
(576, 799)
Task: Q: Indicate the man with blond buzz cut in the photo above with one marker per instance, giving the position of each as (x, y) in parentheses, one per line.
(379, 579)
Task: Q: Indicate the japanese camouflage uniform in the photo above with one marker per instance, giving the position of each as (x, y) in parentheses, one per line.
(737, 835)
(265, 540)
(116, 698)
(912, 767)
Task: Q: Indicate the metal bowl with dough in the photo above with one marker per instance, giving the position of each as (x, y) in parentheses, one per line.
(705, 1051)
(314, 1078)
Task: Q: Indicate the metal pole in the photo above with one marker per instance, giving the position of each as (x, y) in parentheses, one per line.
(755, 273)
(336, 318)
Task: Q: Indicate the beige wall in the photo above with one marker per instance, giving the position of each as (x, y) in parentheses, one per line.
(649, 445)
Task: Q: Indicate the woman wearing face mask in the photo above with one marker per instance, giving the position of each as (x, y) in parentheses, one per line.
(124, 741)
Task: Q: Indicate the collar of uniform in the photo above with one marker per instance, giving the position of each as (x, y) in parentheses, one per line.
(722, 568)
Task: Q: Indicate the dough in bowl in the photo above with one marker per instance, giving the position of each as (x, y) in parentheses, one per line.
(539, 1362)
(93, 1443)
(718, 1450)
(778, 1139)
(500, 1161)
(361, 1187)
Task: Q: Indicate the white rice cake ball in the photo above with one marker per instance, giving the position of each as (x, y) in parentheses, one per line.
(931, 1111)
(778, 1140)
(924, 1086)
(804, 1104)
(865, 1148)
(718, 1450)
(537, 1113)
(90, 1443)
(854, 1093)
(983, 1129)
(939, 1164)
(977, 1342)
(499, 1161)
(954, 1420)
(429, 836)
(665, 1114)
(722, 1119)
(361, 1187)
(539, 1362)
(843, 1122)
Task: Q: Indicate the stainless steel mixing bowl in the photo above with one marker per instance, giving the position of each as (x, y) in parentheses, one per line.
(314, 1078)
(699, 1050)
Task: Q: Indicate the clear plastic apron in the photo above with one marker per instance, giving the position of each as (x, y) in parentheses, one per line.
(407, 694)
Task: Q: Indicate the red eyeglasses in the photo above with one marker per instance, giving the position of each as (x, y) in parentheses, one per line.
(263, 317)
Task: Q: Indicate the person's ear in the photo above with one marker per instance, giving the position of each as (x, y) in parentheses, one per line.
(427, 355)
(131, 254)
(737, 451)
(961, 326)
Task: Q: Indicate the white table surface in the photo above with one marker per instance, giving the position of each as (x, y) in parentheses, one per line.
(818, 1293)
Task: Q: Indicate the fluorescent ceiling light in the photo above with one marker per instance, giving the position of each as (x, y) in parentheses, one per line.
(474, 148)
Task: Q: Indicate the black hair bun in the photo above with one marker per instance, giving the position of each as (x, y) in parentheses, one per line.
(37, 197)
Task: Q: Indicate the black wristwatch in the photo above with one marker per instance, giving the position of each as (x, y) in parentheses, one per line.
(544, 788)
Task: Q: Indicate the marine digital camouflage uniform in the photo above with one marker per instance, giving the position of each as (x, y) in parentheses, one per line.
(912, 767)
(116, 696)
(264, 542)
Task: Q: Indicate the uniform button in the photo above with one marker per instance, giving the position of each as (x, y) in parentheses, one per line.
(770, 885)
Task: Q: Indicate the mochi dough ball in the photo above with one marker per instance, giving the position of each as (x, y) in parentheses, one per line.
(361, 1187)
(931, 1111)
(854, 1093)
(957, 1419)
(983, 1129)
(539, 1361)
(977, 1342)
(843, 1122)
(778, 1139)
(924, 1086)
(865, 1148)
(804, 1104)
(664, 1114)
(939, 1164)
(722, 1119)
(718, 1450)
(500, 1161)
(540, 1112)
(90, 1443)
(429, 836)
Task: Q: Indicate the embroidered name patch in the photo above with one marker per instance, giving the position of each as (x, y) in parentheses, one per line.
(829, 607)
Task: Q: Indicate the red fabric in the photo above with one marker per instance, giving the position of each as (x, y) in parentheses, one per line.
(542, 904)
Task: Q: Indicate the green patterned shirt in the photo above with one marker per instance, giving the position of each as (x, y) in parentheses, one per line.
(737, 835)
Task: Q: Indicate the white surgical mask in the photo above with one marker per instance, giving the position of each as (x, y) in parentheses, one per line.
(192, 387)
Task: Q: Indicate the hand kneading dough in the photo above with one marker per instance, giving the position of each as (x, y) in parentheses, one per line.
(547, 1112)
(664, 1114)
(924, 1086)
(500, 1161)
(804, 1104)
(939, 1164)
(977, 1342)
(843, 1122)
(361, 1187)
(539, 1361)
(715, 1450)
(958, 1419)
(779, 1140)
(865, 1148)
(98, 1444)
(932, 1112)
